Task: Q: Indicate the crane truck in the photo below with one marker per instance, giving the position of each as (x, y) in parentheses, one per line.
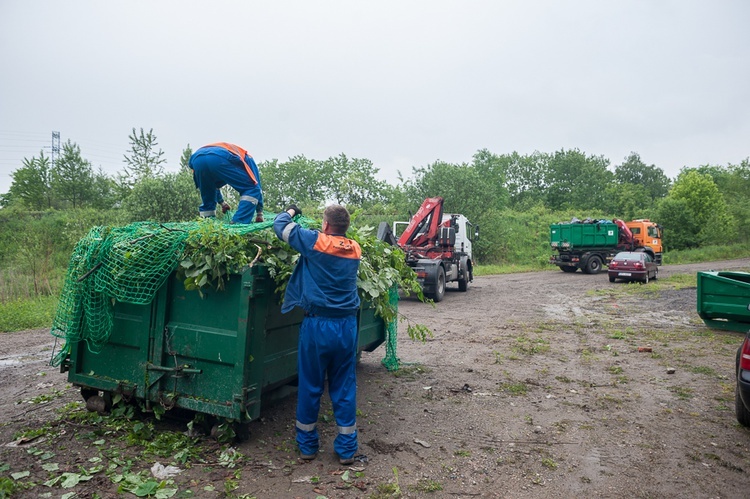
(590, 244)
(437, 246)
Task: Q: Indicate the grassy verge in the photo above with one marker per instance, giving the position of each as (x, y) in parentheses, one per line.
(22, 314)
(707, 254)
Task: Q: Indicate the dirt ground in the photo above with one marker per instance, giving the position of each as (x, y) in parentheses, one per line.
(532, 386)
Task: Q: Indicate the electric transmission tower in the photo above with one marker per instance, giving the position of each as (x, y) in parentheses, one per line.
(55, 147)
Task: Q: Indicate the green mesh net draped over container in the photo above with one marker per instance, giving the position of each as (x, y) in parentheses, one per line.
(391, 360)
(129, 264)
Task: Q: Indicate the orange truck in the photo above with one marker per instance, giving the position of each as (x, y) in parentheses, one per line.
(590, 244)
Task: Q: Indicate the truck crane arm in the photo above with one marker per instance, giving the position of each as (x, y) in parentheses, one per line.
(424, 225)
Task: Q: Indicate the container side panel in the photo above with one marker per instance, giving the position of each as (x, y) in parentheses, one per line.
(372, 330)
(280, 362)
(199, 356)
(122, 359)
(579, 236)
(724, 296)
(281, 342)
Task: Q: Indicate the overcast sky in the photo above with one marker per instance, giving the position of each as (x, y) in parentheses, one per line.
(402, 83)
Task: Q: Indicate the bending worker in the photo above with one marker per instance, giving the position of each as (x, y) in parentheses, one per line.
(324, 284)
(219, 164)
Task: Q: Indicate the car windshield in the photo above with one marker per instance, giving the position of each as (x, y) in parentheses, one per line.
(628, 256)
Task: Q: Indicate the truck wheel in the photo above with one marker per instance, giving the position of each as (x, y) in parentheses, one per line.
(565, 268)
(593, 265)
(87, 393)
(439, 285)
(97, 404)
(463, 283)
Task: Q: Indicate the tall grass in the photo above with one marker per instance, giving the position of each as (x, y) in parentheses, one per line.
(34, 313)
(17, 284)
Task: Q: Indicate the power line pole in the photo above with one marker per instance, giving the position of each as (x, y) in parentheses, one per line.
(55, 147)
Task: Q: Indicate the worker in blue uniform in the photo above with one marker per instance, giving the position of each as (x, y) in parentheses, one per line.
(324, 285)
(222, 163)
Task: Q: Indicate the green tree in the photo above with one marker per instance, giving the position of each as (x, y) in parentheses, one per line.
(649, 178)
(72, 178)
(353, 183)
(491, 169)
(144, 159)
(169, 198)
(711, 222)
(299, 180)
(461, 186)
(680, 226)
(733, 181)
(185, 158)
(31, 185)
(104, 191)
(737, 195)
(577, 181)
(525, 178)
(628, 201)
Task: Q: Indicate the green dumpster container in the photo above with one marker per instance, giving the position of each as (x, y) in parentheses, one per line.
(216, 354)
(724, 300)
(579, 235)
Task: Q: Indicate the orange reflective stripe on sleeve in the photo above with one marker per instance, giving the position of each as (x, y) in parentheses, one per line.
(338, 246)
(237, 150)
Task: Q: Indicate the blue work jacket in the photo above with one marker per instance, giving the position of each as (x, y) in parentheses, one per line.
(324, 281)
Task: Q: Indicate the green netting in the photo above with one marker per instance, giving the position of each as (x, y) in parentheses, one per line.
(129, 264)
(391, 360)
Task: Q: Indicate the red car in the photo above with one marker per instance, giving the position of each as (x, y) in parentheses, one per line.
(632, 266)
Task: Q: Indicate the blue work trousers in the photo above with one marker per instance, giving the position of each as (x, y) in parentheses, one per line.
(213, 171)
(327, 346)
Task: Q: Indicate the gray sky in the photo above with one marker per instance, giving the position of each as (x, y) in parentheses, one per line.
(402, 83)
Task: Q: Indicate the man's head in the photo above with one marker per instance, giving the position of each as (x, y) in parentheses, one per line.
(337, 219)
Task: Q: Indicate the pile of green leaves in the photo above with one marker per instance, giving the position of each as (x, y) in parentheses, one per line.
(215, 251)
(211, 254)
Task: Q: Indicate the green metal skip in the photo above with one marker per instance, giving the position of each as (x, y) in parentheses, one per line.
(723, 300)
(217, 354)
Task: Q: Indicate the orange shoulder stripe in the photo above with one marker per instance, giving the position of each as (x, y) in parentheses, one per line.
(338, 246)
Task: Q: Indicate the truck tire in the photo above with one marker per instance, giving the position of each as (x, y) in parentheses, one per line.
(593, 265)
(463, 282)
(439, 285)
(87, 393)
(570, 270)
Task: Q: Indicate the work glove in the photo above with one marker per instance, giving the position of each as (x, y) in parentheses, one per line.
(297, 211)
(225, 207)
(258, 217)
